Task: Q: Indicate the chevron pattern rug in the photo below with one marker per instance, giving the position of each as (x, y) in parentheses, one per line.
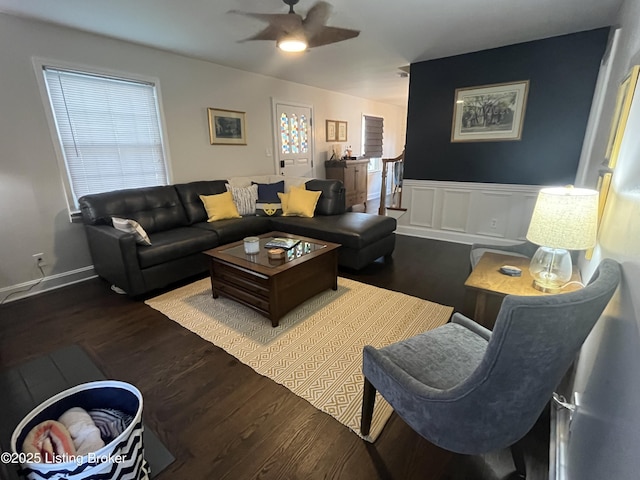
(316, 351)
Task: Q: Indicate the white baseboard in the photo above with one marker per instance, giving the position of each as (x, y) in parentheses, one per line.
(48, 282)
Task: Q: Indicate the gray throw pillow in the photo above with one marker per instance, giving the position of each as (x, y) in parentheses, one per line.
(133, 227)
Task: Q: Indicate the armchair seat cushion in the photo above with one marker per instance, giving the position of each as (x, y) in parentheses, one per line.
(434, 357)
(175, 243)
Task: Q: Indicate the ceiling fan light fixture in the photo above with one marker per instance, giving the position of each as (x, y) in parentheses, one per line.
(292, 44)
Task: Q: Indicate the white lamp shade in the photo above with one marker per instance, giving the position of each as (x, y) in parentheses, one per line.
(565, 217)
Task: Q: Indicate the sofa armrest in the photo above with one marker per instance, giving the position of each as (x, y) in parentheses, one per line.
(115, 257)
(332, 200)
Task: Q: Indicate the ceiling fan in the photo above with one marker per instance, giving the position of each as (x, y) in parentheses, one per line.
(292, 33)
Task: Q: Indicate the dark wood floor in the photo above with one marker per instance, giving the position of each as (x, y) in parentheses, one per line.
(218, 417)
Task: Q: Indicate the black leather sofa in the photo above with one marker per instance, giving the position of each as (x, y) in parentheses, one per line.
(175, 220)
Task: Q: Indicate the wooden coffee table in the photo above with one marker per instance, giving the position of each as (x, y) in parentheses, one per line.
(274, 287)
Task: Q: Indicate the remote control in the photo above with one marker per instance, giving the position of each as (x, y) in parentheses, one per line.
(510, 270)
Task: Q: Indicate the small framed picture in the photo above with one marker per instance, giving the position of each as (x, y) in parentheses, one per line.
(342, 131)
(489, 113)
(227, 127)
(331, 131)
(620, 116)
(603, 187)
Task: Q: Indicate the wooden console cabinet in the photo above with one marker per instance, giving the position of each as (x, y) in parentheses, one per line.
(353, 175)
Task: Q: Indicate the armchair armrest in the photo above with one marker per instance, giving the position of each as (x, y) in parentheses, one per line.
(115, 257)
(471, 325)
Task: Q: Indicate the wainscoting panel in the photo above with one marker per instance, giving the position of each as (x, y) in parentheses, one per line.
(498, 203)
(425, 201)
(529, 201)
(455, 209)
(466, 212)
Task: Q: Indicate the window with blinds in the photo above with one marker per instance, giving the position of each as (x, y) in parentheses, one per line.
(109, 132)
(372, 135)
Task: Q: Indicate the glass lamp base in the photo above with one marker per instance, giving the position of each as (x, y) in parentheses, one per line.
(545, 288)
(551, 269)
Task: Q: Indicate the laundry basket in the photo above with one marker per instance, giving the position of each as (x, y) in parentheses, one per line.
(120, 459)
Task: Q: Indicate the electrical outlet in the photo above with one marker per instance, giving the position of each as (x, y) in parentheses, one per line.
(38, 259)
(494, 223)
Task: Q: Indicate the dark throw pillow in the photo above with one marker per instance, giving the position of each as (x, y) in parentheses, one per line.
(268, 192)
(268, 209)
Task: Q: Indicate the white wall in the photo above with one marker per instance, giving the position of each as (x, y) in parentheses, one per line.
(33, 212)
(605, 431)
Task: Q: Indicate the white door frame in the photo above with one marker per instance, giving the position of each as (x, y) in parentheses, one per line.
(275, 123)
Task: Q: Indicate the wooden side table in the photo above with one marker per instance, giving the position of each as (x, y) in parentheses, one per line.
(353, 174)
(486, 280)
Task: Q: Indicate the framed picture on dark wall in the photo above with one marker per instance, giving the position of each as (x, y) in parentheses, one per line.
(489, 113)
(226, 127)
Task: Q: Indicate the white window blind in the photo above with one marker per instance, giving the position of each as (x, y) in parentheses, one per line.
(109, 131)
(372, 136)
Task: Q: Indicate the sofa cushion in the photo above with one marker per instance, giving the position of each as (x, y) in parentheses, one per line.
(190, 193)
(288, 181)
(176, 243)
(236, 229)
(268, 209)
(155, 208)
(353, 230)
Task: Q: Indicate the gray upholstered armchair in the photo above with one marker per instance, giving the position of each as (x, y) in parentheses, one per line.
(473, 391)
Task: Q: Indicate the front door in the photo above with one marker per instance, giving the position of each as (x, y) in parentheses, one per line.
(293, 139)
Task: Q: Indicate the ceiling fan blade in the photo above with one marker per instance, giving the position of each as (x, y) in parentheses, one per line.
(316, 18)
(270, 33)
(328, 35)
(285, 21)
(313, 27)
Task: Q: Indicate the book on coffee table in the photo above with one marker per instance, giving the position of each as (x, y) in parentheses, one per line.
(282, 242)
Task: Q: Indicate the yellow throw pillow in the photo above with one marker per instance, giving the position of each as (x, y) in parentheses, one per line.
(300, 202)
(220, 206)
(284, 199)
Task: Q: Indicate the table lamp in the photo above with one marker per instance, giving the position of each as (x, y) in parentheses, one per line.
(564, 218)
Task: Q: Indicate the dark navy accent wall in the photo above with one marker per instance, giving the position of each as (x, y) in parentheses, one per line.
(562, 72)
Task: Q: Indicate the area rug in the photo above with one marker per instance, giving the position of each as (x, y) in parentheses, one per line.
(316, 351)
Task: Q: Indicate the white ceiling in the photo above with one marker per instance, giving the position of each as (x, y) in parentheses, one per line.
(394, 33)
